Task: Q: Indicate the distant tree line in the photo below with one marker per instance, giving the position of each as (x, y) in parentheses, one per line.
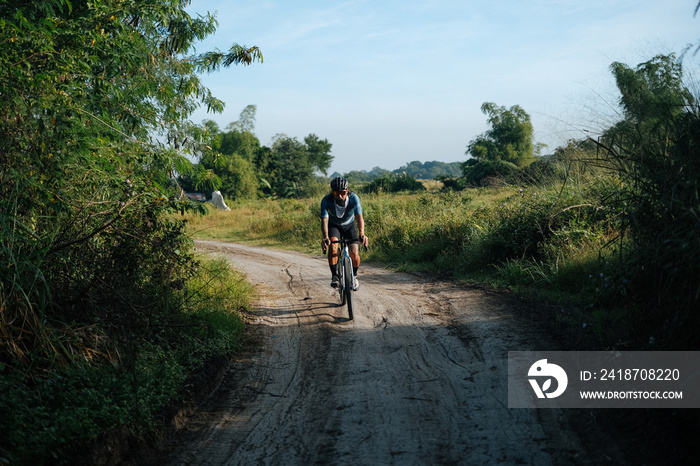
(416, 170)
(234, 162)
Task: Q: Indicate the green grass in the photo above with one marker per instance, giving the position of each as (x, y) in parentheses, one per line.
(541, 242)
(50, 416)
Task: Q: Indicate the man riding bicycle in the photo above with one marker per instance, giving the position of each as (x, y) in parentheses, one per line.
(341, 217)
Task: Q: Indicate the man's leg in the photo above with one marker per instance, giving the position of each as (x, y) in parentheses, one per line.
(333, 260)
(333, 254)
(355, 257)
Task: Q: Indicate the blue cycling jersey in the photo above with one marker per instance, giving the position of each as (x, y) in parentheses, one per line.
(341, 215)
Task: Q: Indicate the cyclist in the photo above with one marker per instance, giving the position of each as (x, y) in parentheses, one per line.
(341, 217)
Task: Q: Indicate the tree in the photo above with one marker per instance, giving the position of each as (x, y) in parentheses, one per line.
(239, 179)
(653, 93)
(319, 153)
(246, 121)
(290, 165)
(231, 161)
(96, 99)
(655, 153)
(508, 140)
(231, 172)
(430, 170)
(239, 142)
(393, 183)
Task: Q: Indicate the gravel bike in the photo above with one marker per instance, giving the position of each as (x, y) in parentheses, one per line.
(344, 272)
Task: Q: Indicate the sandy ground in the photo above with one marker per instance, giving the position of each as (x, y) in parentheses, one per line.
(418, 377)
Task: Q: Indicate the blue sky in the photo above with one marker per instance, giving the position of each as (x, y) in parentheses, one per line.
(389, 82)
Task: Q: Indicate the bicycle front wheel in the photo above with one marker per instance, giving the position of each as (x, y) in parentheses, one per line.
(341, 281)
(348, 286)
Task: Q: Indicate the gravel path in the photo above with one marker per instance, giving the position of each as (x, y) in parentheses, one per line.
(418, 377)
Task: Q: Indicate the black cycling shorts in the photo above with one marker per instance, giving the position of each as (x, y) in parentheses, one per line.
(348, 232)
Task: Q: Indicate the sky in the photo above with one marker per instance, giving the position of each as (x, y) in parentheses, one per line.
(388, 82)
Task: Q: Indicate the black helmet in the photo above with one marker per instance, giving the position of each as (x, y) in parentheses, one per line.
(339, 184)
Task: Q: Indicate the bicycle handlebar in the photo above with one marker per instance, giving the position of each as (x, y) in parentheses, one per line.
(345, 241)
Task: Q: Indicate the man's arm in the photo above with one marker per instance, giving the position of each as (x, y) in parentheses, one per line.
(360, 220)
(325, 242)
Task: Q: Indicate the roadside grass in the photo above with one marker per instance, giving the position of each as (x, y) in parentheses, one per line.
(287, 223)
(51, 417)
(546, 243)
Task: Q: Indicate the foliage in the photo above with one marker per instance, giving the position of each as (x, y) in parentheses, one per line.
(290, 165)
(96, 98)
(243, 169)
(526, 223)
(242, 143)
(541, 172)
(450, 183)
(654, 153)
(230, 165)
(246, 121)
(235, 176)
(49, 418)
(200, 179)
(81, 172)
(394, 184)
(357, 177)
(430, 170)
(480, 172)
(421, 171)
(508, 140)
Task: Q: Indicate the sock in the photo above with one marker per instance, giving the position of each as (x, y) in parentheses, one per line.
(354, 271)
(333, 274)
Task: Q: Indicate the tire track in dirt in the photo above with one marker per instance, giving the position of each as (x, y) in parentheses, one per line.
(418, 377)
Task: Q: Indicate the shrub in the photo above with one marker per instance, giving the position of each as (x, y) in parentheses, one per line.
(654, 154)
(475, 172)
(393, 184)
(48, 416)
(452, 184)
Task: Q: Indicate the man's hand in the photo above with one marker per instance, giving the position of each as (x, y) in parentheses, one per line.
(365, 241)
(325, 242)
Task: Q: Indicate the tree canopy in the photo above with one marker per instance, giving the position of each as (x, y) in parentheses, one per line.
(509, 139)
(653, 152)
(416, 169)
(240, 167)
(96, 99)
(290, 165)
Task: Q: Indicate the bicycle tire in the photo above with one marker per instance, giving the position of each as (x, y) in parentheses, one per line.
(341, 280)
(348, 286)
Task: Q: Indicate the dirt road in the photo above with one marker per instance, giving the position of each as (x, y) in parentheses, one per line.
(418, 377)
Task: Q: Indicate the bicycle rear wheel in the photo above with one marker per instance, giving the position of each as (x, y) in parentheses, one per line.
(348, 285)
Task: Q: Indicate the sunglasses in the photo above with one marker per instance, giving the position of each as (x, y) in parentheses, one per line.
(344, 191)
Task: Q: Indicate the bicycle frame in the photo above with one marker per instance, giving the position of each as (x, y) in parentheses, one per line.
(345, 274)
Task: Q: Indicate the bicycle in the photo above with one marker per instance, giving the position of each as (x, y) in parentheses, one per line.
(345, 274)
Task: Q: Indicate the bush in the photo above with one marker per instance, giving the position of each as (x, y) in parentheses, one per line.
(393, 184)
(475, 172)
(50, 416)
(654, 153)
(540, 172)
(452, 184)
